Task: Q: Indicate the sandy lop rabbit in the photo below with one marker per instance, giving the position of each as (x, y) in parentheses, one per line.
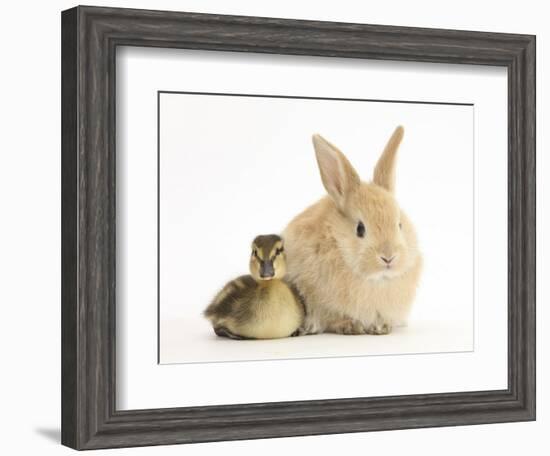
(353, 255)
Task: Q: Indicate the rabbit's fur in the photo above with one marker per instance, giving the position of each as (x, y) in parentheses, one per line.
(347, 285)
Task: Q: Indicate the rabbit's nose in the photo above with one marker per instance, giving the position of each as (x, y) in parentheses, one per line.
(387, 260)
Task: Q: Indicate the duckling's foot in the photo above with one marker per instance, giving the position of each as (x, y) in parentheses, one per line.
(224, 332)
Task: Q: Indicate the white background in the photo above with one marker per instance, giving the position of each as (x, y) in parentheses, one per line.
(143, 384)
(30, 189)
(234, 167)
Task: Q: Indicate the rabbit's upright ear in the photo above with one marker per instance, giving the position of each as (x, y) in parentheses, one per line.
(337, 174)
(384, 172)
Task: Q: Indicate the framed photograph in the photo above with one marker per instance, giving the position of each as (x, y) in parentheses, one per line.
(283, 227)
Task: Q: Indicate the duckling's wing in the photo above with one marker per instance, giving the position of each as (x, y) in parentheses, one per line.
(221, 305)
(232, 298)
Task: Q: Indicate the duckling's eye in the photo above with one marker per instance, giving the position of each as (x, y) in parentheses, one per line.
(360, 230)
(255, 253)
(279, 251)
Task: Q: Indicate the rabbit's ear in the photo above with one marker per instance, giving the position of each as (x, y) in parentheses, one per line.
(384, 172)
(337, 174)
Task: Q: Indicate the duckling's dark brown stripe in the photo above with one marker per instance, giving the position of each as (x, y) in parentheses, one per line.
(265, 244)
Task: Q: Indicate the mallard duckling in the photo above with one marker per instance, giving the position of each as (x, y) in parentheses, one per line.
(260, 305)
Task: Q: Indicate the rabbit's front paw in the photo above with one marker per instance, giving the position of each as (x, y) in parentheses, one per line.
(379, 329)
(308, 328)
(346, 326)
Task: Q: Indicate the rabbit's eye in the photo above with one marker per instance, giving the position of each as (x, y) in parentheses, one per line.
(360, 230)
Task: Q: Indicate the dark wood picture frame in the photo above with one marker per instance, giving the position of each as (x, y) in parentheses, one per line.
(90, 36)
